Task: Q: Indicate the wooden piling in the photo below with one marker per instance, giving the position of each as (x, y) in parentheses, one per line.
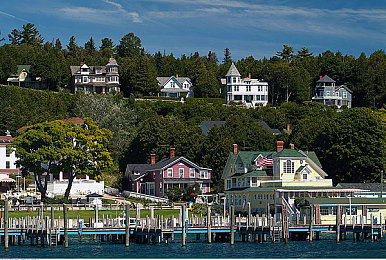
(127, 226)
(232, 225)
(183, 222)
(338, 224)
(65, 226)
(6, 238)
(208, 220)
(311, 222)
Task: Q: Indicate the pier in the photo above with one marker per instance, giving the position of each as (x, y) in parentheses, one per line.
(51, 231)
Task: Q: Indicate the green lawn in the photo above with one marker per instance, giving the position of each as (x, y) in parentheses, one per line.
(86, 214)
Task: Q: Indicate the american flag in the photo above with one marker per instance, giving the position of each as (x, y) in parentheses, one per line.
(266, 160)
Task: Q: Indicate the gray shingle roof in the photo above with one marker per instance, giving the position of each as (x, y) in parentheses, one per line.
(112, 62)
(372, 187)
(233, 71)
(163, 80)
(326, 79)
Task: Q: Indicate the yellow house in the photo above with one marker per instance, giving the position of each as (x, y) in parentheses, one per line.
(267, 179)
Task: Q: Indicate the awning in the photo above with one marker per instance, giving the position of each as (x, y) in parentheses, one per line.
(7, 180)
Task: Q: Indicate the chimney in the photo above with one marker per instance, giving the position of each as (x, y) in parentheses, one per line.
(249, 75)
(320, 77)
(152, 158)
(292, 146)
(172, 152)
(82, 63)
(279, 146)
(234, 148)
(177, 76)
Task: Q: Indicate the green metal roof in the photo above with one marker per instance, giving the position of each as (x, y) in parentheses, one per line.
(340, 201)
(255, 173)
(300, 168)
(312, 155)
(289, 153)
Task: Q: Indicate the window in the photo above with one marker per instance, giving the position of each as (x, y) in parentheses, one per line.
(327, 93)
(337, 94)
(262, 97)
(305, 176)
(236, 88)
(257, 97)
(84, 79)
(234, 80)
(288, 167)
(7, 152)
(181, 172)
(345, 94)
(353, 211)
(229, 183)
(248, 88)
(172, 84)
(170, 173)
(191, 172)
(254, 181)
(7, 165)
(324, 211)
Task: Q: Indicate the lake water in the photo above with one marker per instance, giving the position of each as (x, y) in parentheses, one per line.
(87, 248)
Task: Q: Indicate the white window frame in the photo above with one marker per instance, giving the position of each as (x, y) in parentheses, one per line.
(181, 172)
(345, 94)
(236, 88)
(288, 167)
(191, 172)
(170, 173)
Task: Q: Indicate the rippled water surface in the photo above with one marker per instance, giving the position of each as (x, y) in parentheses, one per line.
(87, 248)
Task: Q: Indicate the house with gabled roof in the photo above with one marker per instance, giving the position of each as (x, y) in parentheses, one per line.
(328, 93)
(97, 79)
(23, 78)
(247, 91)
(268, 179)
(175, 86)
(157, 178)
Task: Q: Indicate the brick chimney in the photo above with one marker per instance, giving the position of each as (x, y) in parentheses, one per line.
(320, 77)
(249, 75)
(152, 158)
(292, 146)
(234, 148)
(82, 63)
(177, 76)
(172, 152)
(279, 146)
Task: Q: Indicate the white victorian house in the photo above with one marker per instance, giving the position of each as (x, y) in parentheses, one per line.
(248, 91)
(175, 86)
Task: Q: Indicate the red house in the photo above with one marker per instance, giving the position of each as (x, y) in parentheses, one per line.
(156, 178)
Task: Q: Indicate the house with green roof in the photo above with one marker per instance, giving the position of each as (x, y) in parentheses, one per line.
(22, 78)
(268, 179)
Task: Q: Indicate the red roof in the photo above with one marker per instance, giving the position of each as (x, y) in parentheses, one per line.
(6, 137)
(76, 120)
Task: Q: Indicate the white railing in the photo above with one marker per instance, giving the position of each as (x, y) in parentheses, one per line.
(127, 193)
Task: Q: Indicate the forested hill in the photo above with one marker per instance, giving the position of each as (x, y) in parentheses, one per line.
(290, 73)
(350, 144)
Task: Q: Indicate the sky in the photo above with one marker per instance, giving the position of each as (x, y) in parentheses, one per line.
(247, 27)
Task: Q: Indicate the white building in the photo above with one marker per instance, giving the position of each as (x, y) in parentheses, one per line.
(7, 158)
(248, 91)
(175, 86)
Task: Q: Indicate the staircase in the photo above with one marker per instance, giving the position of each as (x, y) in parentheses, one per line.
(53, 237)
(275, 237)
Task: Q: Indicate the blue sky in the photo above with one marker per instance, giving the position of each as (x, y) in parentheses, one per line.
(246, 27)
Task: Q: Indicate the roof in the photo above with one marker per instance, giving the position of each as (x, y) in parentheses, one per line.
(343, 86)
(300, 168)
(76, 120)
(312, 155)
(140, 168)
(4, 140)
(20, 68)
(207, 125)
(289, 153)
(163, 80)
(347, 201)
(372, 187)
(254, 173)
(112, 62)
(233, 71)
(326, 79)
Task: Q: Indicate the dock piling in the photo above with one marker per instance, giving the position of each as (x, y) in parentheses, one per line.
(232, 225)
(6, 238)
(183, 222)
(127, 226)
(208, 223)
(65, 226)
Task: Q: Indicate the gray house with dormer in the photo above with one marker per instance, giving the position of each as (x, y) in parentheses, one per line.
(328, 93)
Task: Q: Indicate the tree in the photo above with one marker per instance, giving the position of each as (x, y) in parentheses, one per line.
(303, 53)
(72, 47)
(48, 148)
(129, 46)
(58, 45)
(107, 47)
(119, 118)
(205, 82)
(30, 35)
(227, 56)
(1, 38)
(90, 47)
(15, 37)
(286, 54)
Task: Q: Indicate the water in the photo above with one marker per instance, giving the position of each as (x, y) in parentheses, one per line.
(87, 248)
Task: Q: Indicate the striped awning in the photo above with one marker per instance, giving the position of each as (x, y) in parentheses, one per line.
(7, 180)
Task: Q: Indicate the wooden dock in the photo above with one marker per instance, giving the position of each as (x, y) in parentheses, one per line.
(50, 231)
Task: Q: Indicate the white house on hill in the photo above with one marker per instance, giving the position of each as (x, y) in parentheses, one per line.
(248, 91)
(175, 86)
